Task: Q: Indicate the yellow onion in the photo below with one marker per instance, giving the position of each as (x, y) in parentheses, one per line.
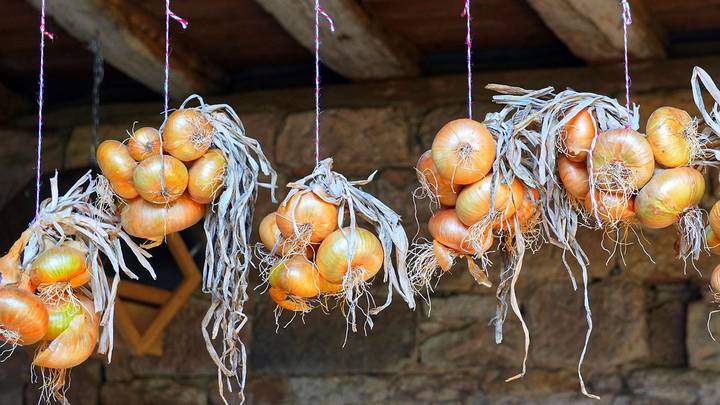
(143, 143)
(622, 160)
(524, 213)
(10, 263)
(187, 134)
(206, 176)
(270, 233)
(611, 207)
(299, 277)
(311, 214)
(714, 218)
(60, 264)
(444, 255)
(60, 315)
(118, 166)
(574, 177)
(74, 345)
(713, 242)
(446, 228)
(445, 192)
(332, 256)
(668, 194)
(715, 279)
(668, 129)
(578, 135)
(153, 221)
(463, 151)
(148, 179)
(23, 315)
(282, 299)
(473, 203)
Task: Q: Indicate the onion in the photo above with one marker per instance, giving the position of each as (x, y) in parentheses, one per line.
(148, 179)
(10, 263)
(669, 132)
(270, 233)
(73, 346)
(463, 151)
(578, 135)
(713, 242)
(314, 217)
(152, 221)
(444, 255)
(118, 166)
(207, 176)
(622, 161)
(524, 213)
(612, 207)
(59, 264)
(60, 315)
(574, 177)
(187, 134)
(332, 257)
(446, 228)
(445, 192)
(281, 298)
(668, 194)
(298, 276)
(474, 201)
(143, 143)
(714, 218)
(23, 317)
(715, 279)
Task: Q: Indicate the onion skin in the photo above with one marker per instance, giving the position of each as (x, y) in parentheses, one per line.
(143, 143)
(713, 242)
(463, 151)
(578, 135)
(118, 166)
(60, 316)
(612, 207)
(445, 192)
(444, 255)
(309, 210)
(296, 275)
(10, 263)
(59, 264)
(187, 134)
(715, 279)
(73, 346)
(473, 203)
(714, 218)
(667, 131)
(23, 312)
(280, 297)
(661, 202)
(207, 176)
(148, 179)
(574, 177)
(627, 147)
(332, 256)
(152, 221)
(524, 213)
(446, 229)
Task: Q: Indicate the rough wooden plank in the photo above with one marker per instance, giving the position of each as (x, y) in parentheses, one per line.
(359, 48)
(592, 29)
(134, 43)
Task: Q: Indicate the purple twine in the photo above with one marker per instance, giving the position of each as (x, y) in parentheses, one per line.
(319, 11)
(468, 42)
(41, 85)
(627, 20)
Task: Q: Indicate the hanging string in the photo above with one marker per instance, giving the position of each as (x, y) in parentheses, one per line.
(98, 75)
(41, 85)
(318, 12)
(627, 20)
(468, 42)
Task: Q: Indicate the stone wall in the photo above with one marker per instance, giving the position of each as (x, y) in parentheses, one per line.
(649, 345)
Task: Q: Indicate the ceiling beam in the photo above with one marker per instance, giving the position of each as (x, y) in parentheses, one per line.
(359, 49)
(593, 29)
(134, 42)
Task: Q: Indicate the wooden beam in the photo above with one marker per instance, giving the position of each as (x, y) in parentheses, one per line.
(360, 48)
(134, 43)
(593, 29)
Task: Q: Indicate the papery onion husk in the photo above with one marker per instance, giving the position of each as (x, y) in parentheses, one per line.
(444, 255)
(335, 251)
(60, 315)
(187, 134)
(668, 195)
(150, 221)
(207, 176)
(284, 300)
(313, 217)
(712, 240)
(611, 207)
(574, 177)
(73, 346)
(622, 161)
(474, 201)
(117, 166)
(143, 143)
(671, 133)
(148, 179)
(59, 264)
(23, 317)
(445, 192)
(10, 263)
(578, 135)
(463, 151)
